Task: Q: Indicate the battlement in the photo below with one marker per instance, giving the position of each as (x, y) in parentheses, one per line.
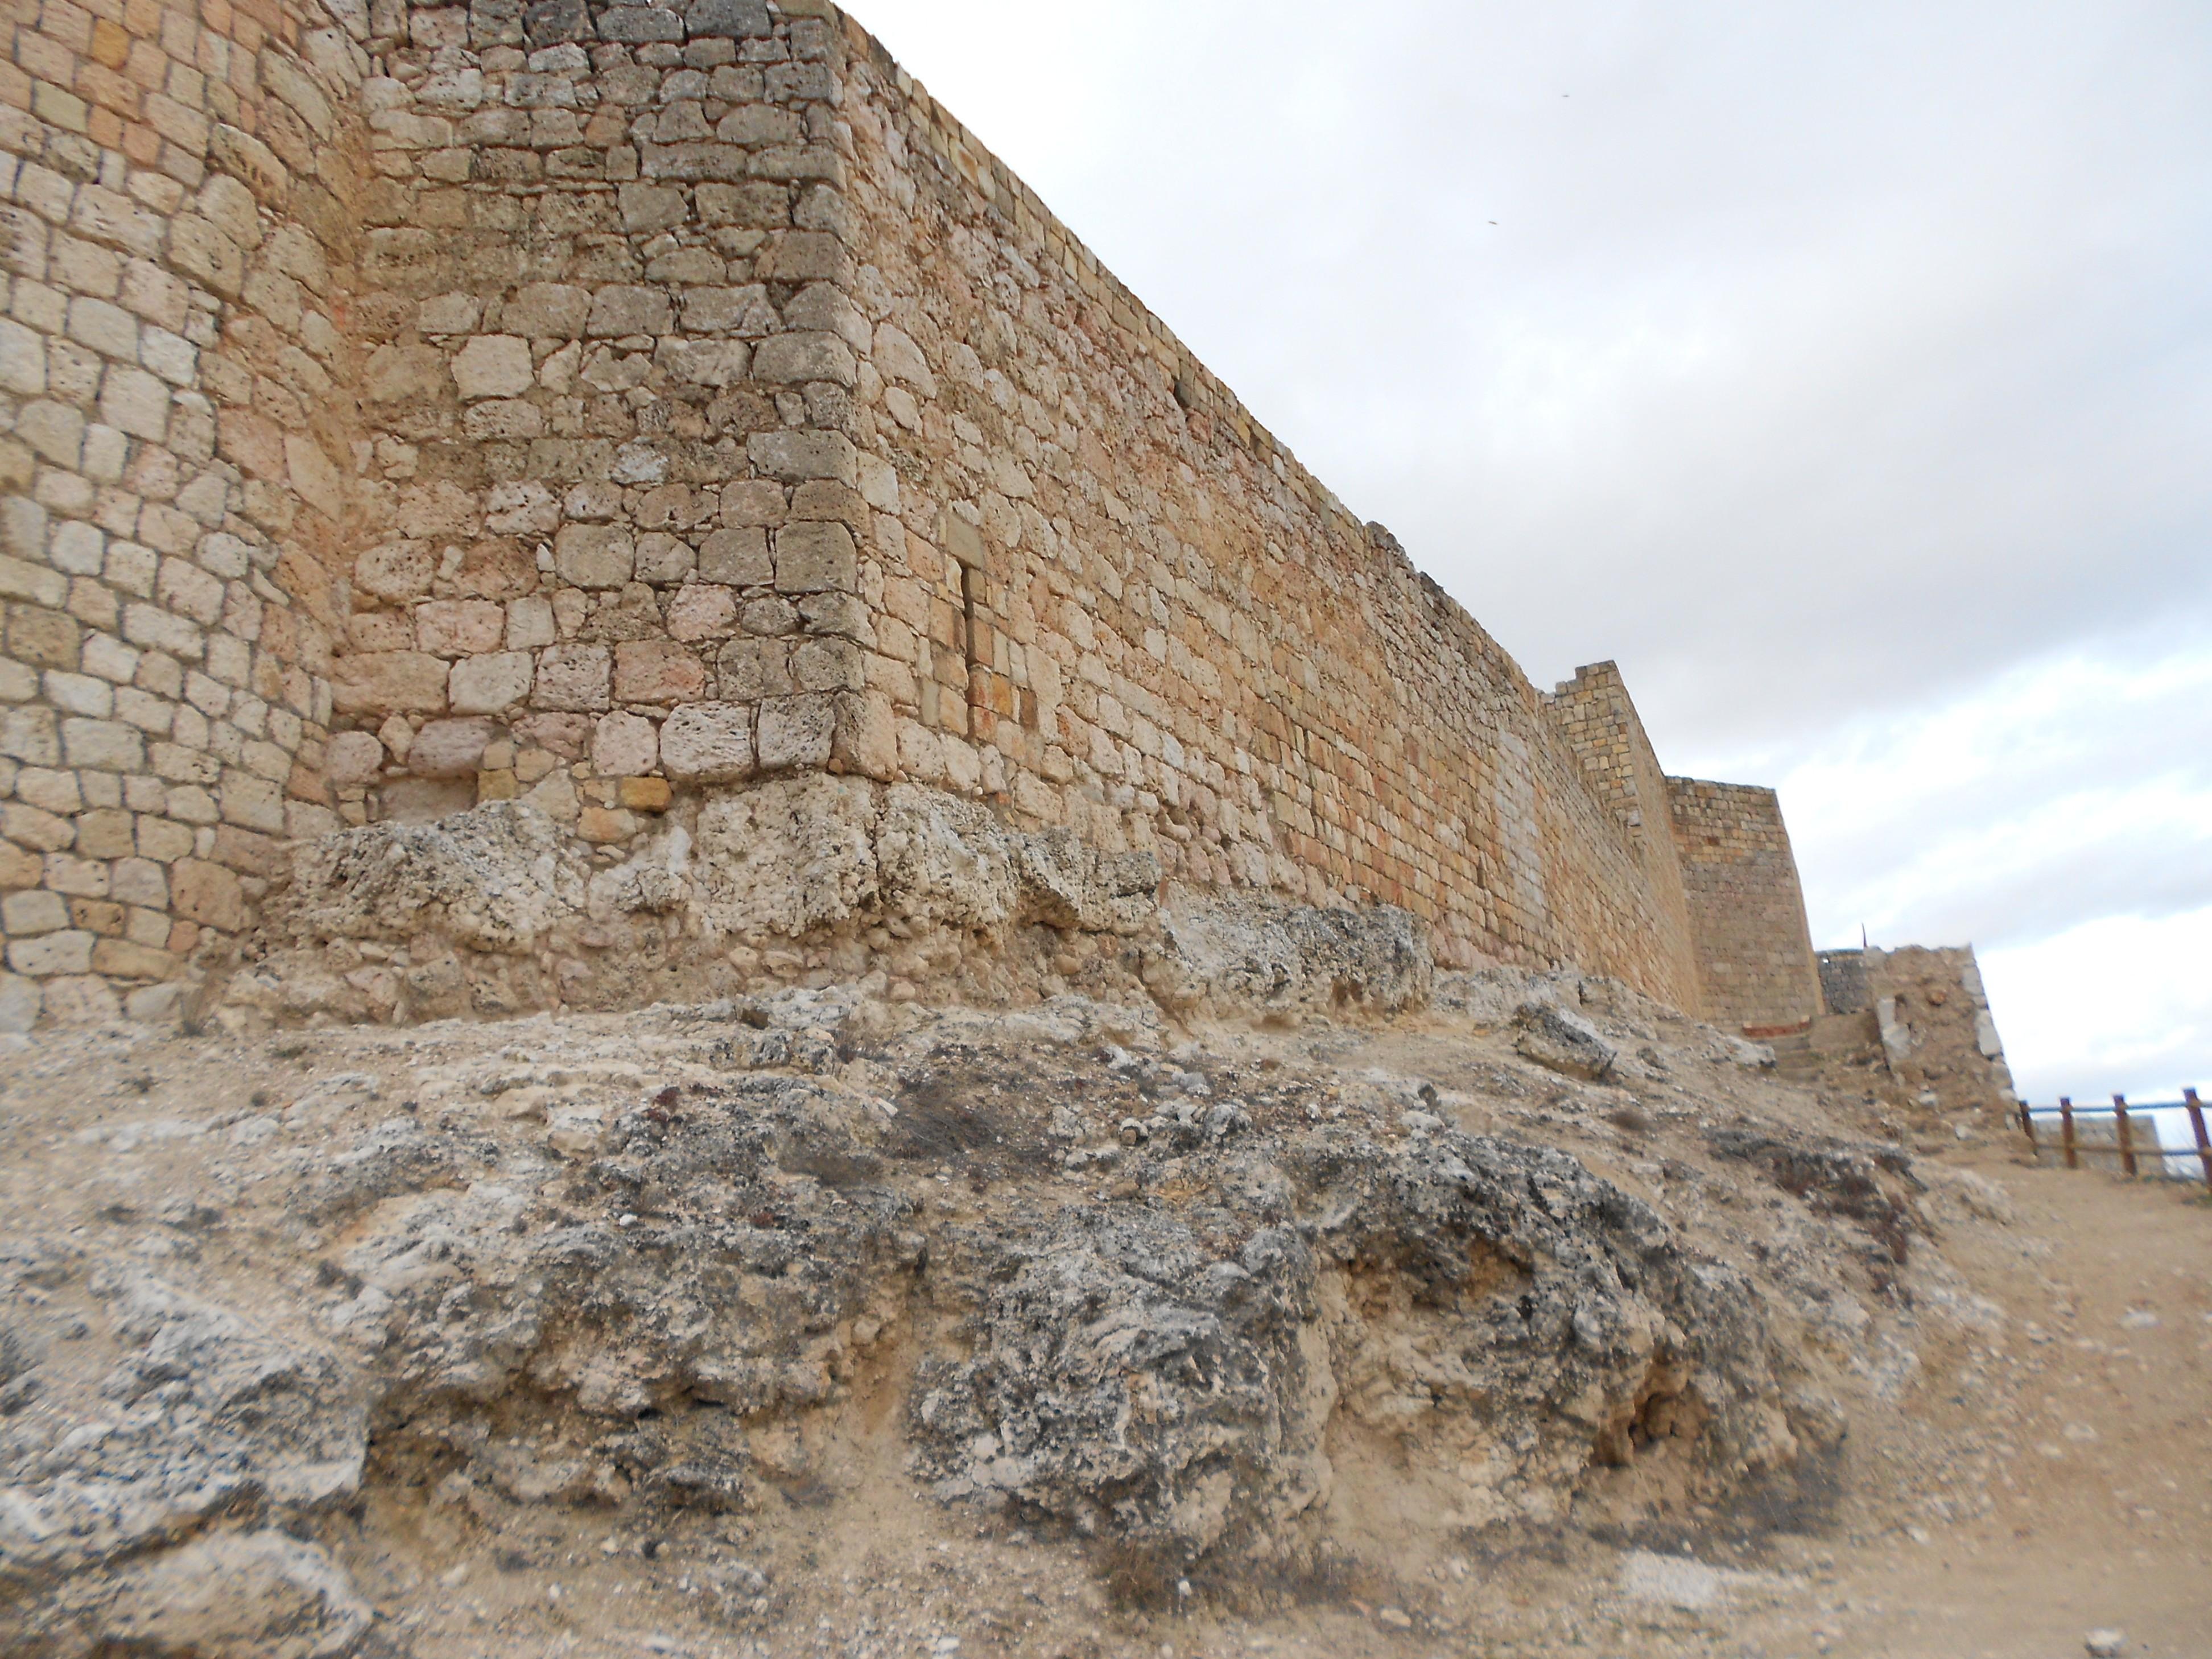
(610, 407)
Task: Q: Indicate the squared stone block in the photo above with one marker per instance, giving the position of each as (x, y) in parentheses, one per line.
(709, 742)
(795, 456)
(597, 556)
(459, 627)
(702, 612)
(728, 19)
(633, 26)
(487, 686)
(737, 557)
(816, 558)
(390, 682)
(796, 733)
(625, 746)
(493, 365)
(657, 671)
(575, 678)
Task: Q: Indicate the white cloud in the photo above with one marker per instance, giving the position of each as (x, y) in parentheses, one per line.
(2119, 1004)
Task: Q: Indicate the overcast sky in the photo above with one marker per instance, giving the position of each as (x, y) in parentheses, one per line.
(1842, 372)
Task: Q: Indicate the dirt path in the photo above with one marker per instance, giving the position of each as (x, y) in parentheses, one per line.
(2089, 1430)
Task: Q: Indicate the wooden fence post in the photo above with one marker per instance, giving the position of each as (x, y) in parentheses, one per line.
(2027, 1128)
(2127, 1141)
(2204, 1140)
(2066, 1131)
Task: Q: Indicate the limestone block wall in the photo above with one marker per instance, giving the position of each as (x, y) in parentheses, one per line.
(179, 181)
(1596, 715)
(1755, 961)
(606, 403)
(612, 543)
(1111, 600)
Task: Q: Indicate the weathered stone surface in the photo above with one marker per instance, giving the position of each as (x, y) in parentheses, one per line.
(450, 749)
(256, 1595)
(486, 685)
(493, 365)
(709, 742)
(625, 746)
(1563, 1041)
(252, 1418)
(788, 856)
(1255, 951)
(941, 859)
(493, 880)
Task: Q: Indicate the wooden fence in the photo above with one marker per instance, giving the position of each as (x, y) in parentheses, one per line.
(2075, 1142)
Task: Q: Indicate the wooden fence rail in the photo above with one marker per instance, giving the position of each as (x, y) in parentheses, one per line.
(2124, 1147)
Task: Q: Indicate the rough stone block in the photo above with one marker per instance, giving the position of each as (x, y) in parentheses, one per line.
(796, 733)
(25, 915)
(657, 671)
(493, 365)
(52, 954)
(709, 742)
(449, 749)
(701, 612)
(640, 25)
(396, 572)
(625, 746)
(738, 557)
(795, 456)
(785, 359)
(119, 959)
(103, 745)
(594, 555)
(390, 682)
(459, 627)
(865, 739)
(486, 685)
(662, 560)
(547, 310)
(550, 22)
(648, 207)
(575, 678)
(620, 309)
(711, 362)
(712, 19)
(815, 558)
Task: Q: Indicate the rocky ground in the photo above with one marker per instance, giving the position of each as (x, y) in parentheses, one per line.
(1532, 1321)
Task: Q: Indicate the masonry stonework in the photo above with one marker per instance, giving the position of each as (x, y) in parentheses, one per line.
(612, 406)
(1755, 961)
(181, 187)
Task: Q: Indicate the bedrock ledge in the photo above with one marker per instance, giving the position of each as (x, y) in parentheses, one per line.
(916, 894)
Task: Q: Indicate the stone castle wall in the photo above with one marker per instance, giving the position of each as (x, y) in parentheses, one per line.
(607, 406)
(1594, 713)
(181, 182)
(1938, 1034)
(1755, 961)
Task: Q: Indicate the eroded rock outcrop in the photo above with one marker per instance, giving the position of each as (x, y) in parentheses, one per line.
(495, 911)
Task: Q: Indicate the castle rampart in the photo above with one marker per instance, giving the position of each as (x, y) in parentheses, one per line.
(605, 406)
